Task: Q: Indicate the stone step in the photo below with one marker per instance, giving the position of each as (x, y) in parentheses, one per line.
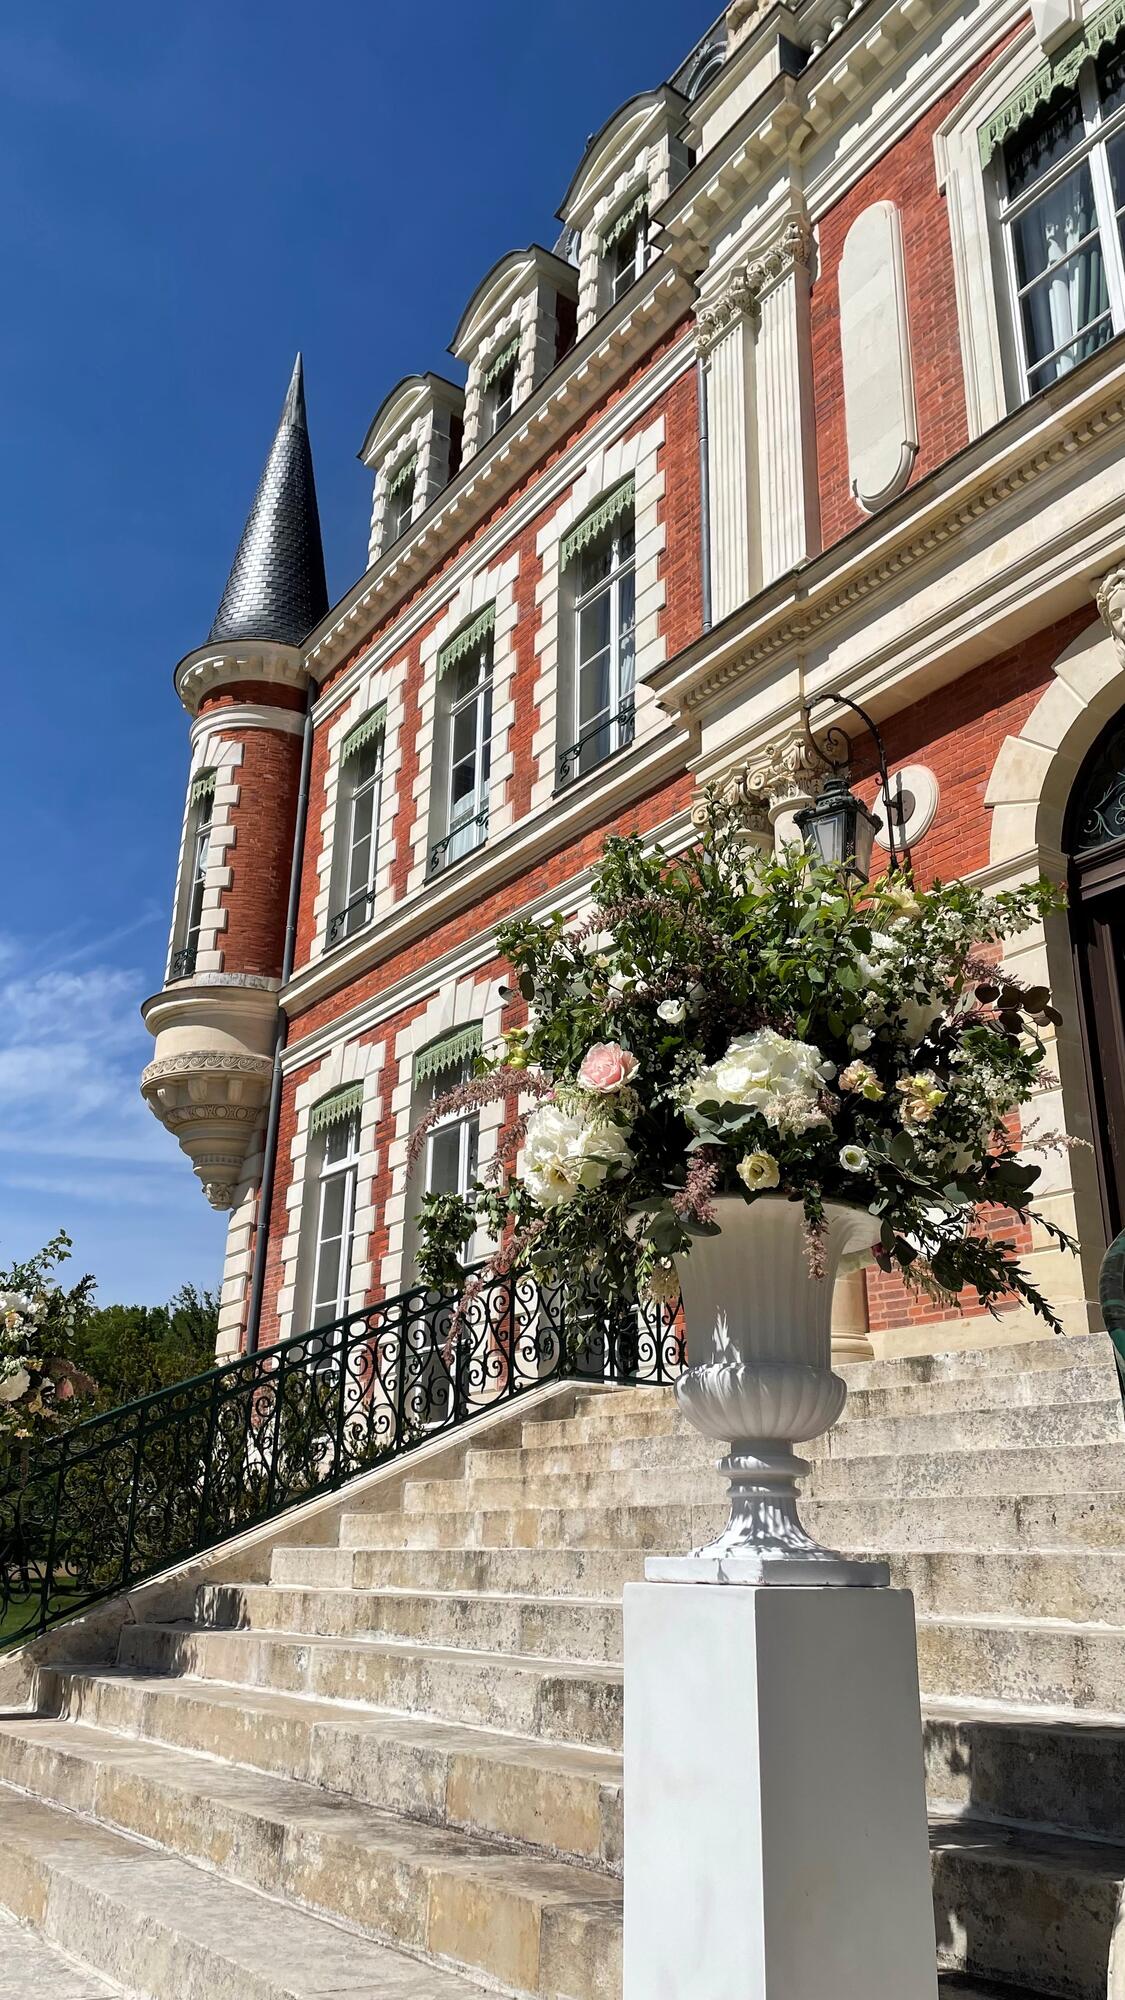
(1043, 1661)
(567, 1628)
(1073, 1518)
(1098, 1468)
(1051, 1351)
(1037, 1429)
(558, 1700)
(562, 1799)
(32, 1969)
(1087, 1584)
(168, 1929)
(526, 1921)
(1033, 1910)
(1054, 1769)
(612, 1416)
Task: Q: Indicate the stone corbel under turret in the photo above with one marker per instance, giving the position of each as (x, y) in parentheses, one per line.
(209, 1080)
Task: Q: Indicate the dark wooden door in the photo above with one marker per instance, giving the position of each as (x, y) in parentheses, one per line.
(1097, 891)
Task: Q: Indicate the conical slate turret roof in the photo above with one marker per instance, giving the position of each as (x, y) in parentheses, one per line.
(277, 589)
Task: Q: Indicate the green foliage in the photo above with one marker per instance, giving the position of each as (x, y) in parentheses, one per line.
(131, 1350)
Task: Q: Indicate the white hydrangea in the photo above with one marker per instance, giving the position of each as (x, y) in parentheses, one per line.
(771, 1073)
(568, 1150)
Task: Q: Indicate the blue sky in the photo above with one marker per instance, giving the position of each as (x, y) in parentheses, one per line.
(191, 194)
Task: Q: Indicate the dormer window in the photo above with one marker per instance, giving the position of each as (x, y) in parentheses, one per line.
(400, 500)
(624, 247)
(500, 385)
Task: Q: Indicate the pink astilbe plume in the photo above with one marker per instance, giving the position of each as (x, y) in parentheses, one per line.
(694, 1201)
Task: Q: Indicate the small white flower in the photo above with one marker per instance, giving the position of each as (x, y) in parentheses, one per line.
(758, 1171)
(853, 1159)
(672, 1011)
(861, 1037)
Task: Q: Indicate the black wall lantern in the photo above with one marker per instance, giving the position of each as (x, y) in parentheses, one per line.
(837, 828)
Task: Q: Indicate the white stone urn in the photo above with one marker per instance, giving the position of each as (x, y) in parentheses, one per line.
(759, 1378)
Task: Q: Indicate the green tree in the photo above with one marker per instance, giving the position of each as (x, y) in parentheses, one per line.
(130, 1351)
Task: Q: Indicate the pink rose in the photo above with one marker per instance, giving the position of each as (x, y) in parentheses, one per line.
(606, 1067)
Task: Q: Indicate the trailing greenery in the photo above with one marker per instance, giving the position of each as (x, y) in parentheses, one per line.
(728, 1022)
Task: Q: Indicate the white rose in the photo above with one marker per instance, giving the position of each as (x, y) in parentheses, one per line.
(758, 1171)
(853, 1159)
(672, 1011)
(565, 1151)
(14, 1384)
(918, 1016)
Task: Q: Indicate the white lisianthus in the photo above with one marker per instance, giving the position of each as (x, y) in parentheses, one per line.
(853, 1159)
(758, 1171)
(767, 1072)
(566, 1151)
(672, 1011)
(861, 1037)
(903, 902)
(14, 1383)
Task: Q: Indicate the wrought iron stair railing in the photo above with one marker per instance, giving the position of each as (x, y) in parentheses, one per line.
(143, 1488)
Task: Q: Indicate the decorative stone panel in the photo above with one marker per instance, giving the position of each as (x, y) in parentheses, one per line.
(879, 406)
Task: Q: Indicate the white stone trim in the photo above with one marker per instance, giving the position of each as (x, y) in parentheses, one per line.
(519, 322)
(349, 1062)
(489, 586)
(378, 685)
(210, 751)
(249, 715)
(1028, 792)
(639, 455)
(417, 443)
(238, 1257)
(458, 1003)
(984, 319)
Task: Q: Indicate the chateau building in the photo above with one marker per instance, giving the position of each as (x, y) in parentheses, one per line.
(820, 392)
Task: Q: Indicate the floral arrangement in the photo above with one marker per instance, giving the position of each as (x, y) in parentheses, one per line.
(39, 1385)
(727, 1022)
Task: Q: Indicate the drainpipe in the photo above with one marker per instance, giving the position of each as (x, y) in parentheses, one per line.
(273, 1115)
(704, 490)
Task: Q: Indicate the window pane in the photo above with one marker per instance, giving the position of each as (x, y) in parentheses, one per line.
(445, 1161)
(1116, 154)
(594, 627)
(1111, 76)
(466, 675)
(1045, 139)
(340, 1139)
(594, 564)
(1061, 364)
(1055, 226)
(627, 605)
(328, 1273)
(1058, 254)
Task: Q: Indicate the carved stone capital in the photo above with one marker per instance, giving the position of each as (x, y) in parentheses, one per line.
(793, 249)
(785, 772)
(742, 294)
(737, 300)
(1110, 596)
(741, 16)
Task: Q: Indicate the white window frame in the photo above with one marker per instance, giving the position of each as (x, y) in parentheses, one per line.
(502, 396)
(470, 830)
(620, 715)
(400, 511)
(341, 926)
(1099, 131)
(199, 841)
(621, 273)
(328, 1172)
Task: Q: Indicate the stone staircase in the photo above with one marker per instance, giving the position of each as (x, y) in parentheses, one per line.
(390, 1765)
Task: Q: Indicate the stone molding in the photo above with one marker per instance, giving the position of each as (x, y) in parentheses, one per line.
(1110, 599)
(218, 665)
(197, 1060)
(744, 290)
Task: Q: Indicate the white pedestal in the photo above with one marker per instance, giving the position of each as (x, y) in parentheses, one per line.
(776, 1844)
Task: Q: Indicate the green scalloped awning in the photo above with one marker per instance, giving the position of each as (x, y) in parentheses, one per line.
(373, 724)
(597, 521)
(473, 634)
(448, 1052)
(1059, 72)
(624, 220)
(337, 1107)
(404, 476)
(202, 787)
(503, 358)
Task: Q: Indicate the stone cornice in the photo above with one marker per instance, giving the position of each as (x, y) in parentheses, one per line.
(570, 393)
(998, 470)
(222, 664)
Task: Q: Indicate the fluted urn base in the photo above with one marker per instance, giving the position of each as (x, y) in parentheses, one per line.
(760, 1377)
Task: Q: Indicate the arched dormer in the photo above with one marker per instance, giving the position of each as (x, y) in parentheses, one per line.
(518, 324)
(628, 169)
(414, 448)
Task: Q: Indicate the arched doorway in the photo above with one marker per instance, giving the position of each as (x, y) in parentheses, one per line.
(1094, 841)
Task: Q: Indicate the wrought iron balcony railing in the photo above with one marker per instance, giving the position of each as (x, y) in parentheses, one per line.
(352, 917)
(597, 743)
(181, 965)
(144, 1488)
(477, 827)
